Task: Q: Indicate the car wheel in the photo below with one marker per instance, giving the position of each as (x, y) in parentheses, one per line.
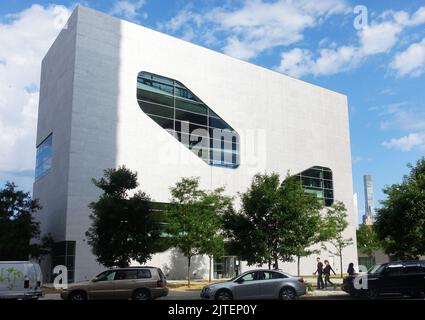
(223, 295)
(78, 296)
(287, 293)
(142, 294)
(372, 293)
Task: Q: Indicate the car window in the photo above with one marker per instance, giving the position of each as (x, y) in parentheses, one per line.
(269, 275)
(249, 276)
(376, 268)
(394, 271)
(161, 274)
(126, 275)
(414, 269)
(277, 275)
(106, 276)
(144, 274)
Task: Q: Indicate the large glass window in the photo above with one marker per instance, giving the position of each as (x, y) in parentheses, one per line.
(175, 108)
(43, 162)
(318, 181)
(63, 253)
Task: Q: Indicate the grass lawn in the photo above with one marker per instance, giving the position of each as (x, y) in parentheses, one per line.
(195, 285)
(49, 290)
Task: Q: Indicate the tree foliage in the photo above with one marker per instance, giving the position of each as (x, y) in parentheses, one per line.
(18, 229)
(194, 219)
(276, 222)
(333, 229)
(367, 240)
(124, 228)
(400, 222)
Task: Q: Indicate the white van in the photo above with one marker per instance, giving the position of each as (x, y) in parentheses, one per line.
(20, 280)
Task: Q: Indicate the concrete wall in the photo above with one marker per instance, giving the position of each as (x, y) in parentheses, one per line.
(54, 116)
(284, 124)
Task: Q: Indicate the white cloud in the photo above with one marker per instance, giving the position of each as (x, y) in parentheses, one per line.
(407, 143)
(258, 25)
(186, 21)
(410, 62)
(380, 36)
(25, 39)
(418, 18)
(401, 115)
(298, 63)
(128, 9)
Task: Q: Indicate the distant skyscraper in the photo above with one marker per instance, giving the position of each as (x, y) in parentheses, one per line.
(368, 194)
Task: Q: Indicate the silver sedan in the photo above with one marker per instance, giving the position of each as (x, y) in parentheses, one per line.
(257, 284)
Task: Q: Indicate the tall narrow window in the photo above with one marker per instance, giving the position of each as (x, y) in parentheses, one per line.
(318, 180)
(43, 163)
(179, 111)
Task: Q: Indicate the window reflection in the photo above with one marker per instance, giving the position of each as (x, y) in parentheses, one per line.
(175, 108)
(318, 181)
(43, 163)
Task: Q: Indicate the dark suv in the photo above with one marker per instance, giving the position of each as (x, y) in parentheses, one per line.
(137, 283)
(398, 277)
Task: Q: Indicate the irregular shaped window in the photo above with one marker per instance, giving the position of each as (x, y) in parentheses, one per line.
(179, 111)
(318, 180)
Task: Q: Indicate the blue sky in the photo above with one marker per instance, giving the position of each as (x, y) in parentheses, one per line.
(380, 67)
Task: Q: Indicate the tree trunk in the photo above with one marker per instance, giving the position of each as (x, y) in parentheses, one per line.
(123, 264)
(270, 263)
(188, 271)
(340, 259)
(298, 265)
(209, 276)
(276, 263)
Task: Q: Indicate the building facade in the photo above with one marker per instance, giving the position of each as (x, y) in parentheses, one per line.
(115, 93)
(368, 198)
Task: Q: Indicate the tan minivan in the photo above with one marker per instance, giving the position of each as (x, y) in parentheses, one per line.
(137, 283)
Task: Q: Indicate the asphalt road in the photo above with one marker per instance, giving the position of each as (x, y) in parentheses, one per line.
(194, 295)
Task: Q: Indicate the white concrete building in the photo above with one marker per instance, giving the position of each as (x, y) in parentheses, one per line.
(90, 119)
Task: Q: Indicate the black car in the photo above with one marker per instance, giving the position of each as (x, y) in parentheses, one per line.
(398, 277)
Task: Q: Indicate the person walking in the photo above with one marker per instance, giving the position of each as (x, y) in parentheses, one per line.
(319, 272)
(350, 269)
(327, 272)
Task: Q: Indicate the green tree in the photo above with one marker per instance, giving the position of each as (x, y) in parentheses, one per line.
(400, 222)
(194, 220)
(333, 228)
(213, 246)
(123, 228)
(18, 229)
(215, 204)
(309, 228)
(244, 239)
(367, 240)
(276, 222)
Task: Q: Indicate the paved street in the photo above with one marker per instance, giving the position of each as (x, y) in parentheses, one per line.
(194, 295)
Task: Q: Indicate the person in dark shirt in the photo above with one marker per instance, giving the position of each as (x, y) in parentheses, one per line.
(350, 269)
(327, 272)
(319, 272)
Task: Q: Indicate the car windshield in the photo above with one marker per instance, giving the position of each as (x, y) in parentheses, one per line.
(234, 278)
(106, 275)
(376, 268)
